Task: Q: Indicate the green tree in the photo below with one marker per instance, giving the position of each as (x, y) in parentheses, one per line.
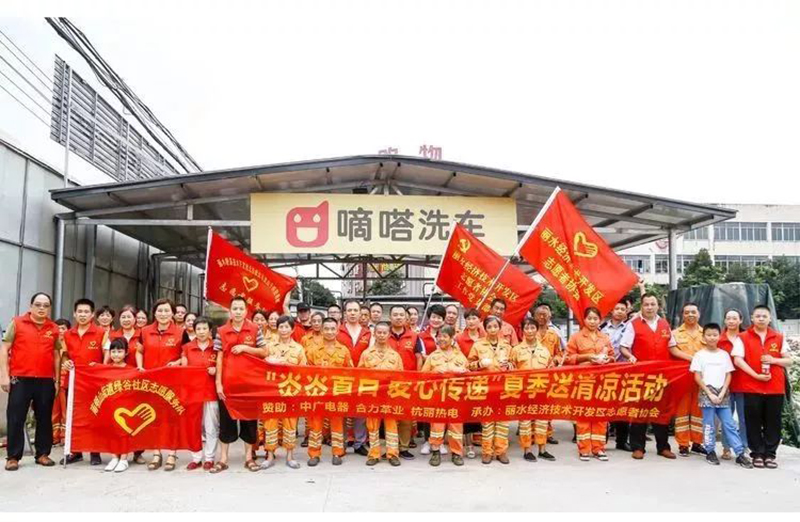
(739, 274)
(701, 271)
(314, 293)
(783, 277)
(392, 284)
(550, 298)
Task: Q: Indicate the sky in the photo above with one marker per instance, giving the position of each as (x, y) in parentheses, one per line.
(695, 100)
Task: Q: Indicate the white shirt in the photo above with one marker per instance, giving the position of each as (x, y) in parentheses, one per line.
(713, 366)
(629, 334)
(738, 346)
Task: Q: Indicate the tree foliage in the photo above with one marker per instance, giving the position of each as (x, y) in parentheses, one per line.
(392, 284)
(701, 271)
(314, 293)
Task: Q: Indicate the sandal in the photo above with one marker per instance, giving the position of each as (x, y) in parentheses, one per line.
(170, 465)
(758, 462)
(155, 463)
(251, 465)
(218, 467)
(770, 464)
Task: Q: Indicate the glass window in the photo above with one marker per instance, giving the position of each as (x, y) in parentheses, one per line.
(696, 234)
(639, 264)
(662, 264)
(753, 231)
(786, 231)
(683, 262)
(726, 232)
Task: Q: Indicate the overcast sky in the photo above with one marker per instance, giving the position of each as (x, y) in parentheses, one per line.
(685, 99)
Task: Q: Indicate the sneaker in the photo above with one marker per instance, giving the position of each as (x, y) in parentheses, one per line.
(436, 458)
(552, 440)
(444, 450)
(457, 460)
(546, 456)
(293, 464)
(337, 460)
(112, 464)
(394, 461)
(602, 457)
(406, 455)
(313, 461)
(529, 456)
(372, 462)
(698, 448)
(426, 449)
(361, 451)
(471, 452)
(584, 457)
(683, 451)
(744, 462)
(711, 458)
(72, 458)
(122, 465)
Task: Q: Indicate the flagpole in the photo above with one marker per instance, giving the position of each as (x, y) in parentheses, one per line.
(438, 270)
(70, 409)
(205, 269)
(522, 241)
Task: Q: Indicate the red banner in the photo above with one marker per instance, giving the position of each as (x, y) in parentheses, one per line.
(230, 273)
(641, 392)
(119, 410)
(468, 269)
(580, 265)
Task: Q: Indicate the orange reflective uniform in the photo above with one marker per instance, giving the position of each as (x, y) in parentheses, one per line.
(591, 435)
(549, 339)
(494, 440)
(451, 360)
(337, 355)
(531, 357)
(386, 358)
(288, 353)
(311, 341)
(509, 333)
(688, 417)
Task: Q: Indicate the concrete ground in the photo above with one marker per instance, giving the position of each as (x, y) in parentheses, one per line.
(622, 484)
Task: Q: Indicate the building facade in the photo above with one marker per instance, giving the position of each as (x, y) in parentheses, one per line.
(758, 234)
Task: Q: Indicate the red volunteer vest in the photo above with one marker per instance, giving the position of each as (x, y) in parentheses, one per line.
(361, 344)
(404, 344)
(230, 337)
(649, 345)
(160, 348)
(753, 350)
(204, 359)
(86, 349)
(300, 330)
(31, 352)
(133, 343)
(428, 341)
(736, 375)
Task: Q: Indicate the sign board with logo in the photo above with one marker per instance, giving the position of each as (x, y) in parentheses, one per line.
(376, 224)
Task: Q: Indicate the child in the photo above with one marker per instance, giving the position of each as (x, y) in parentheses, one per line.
(118, 350)
(712, 368)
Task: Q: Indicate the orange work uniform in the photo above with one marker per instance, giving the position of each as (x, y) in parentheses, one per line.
(376, 358)
(688, 417)
(288, 353)
(494, 440)
(337, 355)
(591, 435)
(525, 356)
(451, 360)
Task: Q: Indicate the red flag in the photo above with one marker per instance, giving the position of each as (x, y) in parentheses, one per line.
(468, 269)
(231, 272)
(580, 265)
(119, 410)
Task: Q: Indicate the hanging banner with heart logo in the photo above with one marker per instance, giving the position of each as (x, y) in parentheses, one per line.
(230, 273)
(119, 410)
(581, 266)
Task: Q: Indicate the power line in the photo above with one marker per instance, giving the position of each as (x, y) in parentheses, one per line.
(23, 105)
(43, 95)
(28, 58)
(23, 91)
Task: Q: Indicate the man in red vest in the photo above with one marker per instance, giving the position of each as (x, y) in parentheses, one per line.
(30, 360)
(357, 338)
(403, 340)
(648, 338)
(762, 357)
(302, 323)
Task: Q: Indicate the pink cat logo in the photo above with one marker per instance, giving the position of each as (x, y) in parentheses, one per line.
(307, 226)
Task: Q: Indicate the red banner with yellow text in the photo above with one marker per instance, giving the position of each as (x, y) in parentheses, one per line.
(230, 273)
(641, 392)
(580, 265)
(468, 269)
(119, 410)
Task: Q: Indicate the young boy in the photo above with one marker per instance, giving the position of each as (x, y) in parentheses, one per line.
(118, 350)
(712, 370)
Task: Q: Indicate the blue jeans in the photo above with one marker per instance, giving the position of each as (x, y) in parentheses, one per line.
(729, 429)
(737, 405)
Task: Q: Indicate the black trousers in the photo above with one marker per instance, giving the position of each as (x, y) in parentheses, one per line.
(621, 429)
(638, 434)
(762, 414)
(40, 392)
(231, 429)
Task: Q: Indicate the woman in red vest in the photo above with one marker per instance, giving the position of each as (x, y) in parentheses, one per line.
(762, 357)
(730, 337)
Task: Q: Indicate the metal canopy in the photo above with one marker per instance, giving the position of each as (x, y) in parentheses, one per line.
(172, 213)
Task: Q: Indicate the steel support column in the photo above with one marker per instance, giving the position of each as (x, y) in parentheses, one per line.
(88, 278)
(673, 259)
(58, 282)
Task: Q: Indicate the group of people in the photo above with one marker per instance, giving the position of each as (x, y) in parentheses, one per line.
(736, 371)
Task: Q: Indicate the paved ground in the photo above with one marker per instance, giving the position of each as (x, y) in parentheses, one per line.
(564, 485)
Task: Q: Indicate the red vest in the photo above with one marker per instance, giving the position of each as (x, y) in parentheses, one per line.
(753, 350)
(428, 341)
(736, 375)
(465, 342)
(361, 344)
(405, 344)
(649, 345)
(133, 344)
(300, 331)
(86, 349)
(205, 359)
(32, 350)
(160, 348)
(230, 337)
